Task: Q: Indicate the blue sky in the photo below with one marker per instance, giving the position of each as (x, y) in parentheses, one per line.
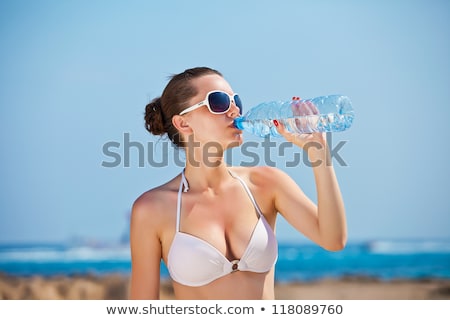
(76, 75)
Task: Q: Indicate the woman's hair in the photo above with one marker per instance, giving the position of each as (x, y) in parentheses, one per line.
(179, 90)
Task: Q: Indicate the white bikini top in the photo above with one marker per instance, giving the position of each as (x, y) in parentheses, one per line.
(194, 262)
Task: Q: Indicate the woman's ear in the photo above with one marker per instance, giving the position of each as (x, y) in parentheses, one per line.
(182, 125)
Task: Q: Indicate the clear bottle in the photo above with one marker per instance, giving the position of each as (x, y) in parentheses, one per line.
(331, 113)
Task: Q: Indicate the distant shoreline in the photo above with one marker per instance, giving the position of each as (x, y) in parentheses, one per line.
(115, 287)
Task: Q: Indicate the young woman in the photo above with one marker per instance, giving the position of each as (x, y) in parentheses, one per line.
(214, 225)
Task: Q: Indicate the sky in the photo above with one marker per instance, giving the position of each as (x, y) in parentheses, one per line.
(75, 77)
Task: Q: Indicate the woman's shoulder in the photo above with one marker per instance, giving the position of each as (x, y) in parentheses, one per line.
(262, 176)
(153, 204)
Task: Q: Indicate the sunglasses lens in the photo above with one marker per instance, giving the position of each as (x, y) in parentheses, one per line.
(219, 102)
(238, 103)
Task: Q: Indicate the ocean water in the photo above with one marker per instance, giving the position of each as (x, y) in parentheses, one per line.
(384, 260)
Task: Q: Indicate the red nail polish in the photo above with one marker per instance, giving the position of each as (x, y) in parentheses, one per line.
(275, 122)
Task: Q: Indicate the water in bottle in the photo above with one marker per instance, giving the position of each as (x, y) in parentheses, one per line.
(332, 113)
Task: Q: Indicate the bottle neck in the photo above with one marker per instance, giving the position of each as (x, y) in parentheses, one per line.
(238, 123)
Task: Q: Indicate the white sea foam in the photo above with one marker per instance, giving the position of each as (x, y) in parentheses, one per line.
(409, 246)
(75, 254)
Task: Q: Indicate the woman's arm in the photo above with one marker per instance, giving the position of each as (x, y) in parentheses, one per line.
(145, 251)
(325, 223)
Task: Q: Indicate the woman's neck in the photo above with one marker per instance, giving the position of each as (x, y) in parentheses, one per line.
(203, 177)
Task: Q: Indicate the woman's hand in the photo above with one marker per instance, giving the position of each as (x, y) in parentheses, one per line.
(303, 140)
(314, 144)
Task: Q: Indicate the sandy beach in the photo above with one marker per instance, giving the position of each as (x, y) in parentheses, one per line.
(115, 287)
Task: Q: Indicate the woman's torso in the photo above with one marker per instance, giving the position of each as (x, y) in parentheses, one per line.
(226, 221)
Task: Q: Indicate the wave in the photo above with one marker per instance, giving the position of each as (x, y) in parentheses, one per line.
(408, 246)
(73, 254)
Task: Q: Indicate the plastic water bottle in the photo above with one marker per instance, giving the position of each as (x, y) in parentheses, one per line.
(331, 113)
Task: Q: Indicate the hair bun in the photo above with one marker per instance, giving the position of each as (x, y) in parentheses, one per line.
(154, 118)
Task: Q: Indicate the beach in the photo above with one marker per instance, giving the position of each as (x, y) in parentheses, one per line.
(115, 287)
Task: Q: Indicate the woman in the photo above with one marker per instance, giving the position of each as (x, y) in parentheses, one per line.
(213, 225)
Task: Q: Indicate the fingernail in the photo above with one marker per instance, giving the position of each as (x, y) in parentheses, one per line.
(275, 122)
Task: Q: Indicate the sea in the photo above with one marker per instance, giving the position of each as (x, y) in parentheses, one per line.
(377, 259)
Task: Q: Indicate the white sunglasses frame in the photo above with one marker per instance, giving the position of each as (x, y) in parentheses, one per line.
(205, 102)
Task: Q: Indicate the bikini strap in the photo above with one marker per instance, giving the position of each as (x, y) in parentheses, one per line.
(248, 192)
(184, 187)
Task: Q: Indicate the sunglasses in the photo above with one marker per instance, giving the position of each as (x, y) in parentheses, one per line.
(218, 102)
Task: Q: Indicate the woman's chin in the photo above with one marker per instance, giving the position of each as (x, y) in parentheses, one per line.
(236, 141)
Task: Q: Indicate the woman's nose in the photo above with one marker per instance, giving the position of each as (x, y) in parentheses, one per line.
(234, 111)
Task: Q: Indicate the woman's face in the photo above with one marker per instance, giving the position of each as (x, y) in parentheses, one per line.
(213, 128)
